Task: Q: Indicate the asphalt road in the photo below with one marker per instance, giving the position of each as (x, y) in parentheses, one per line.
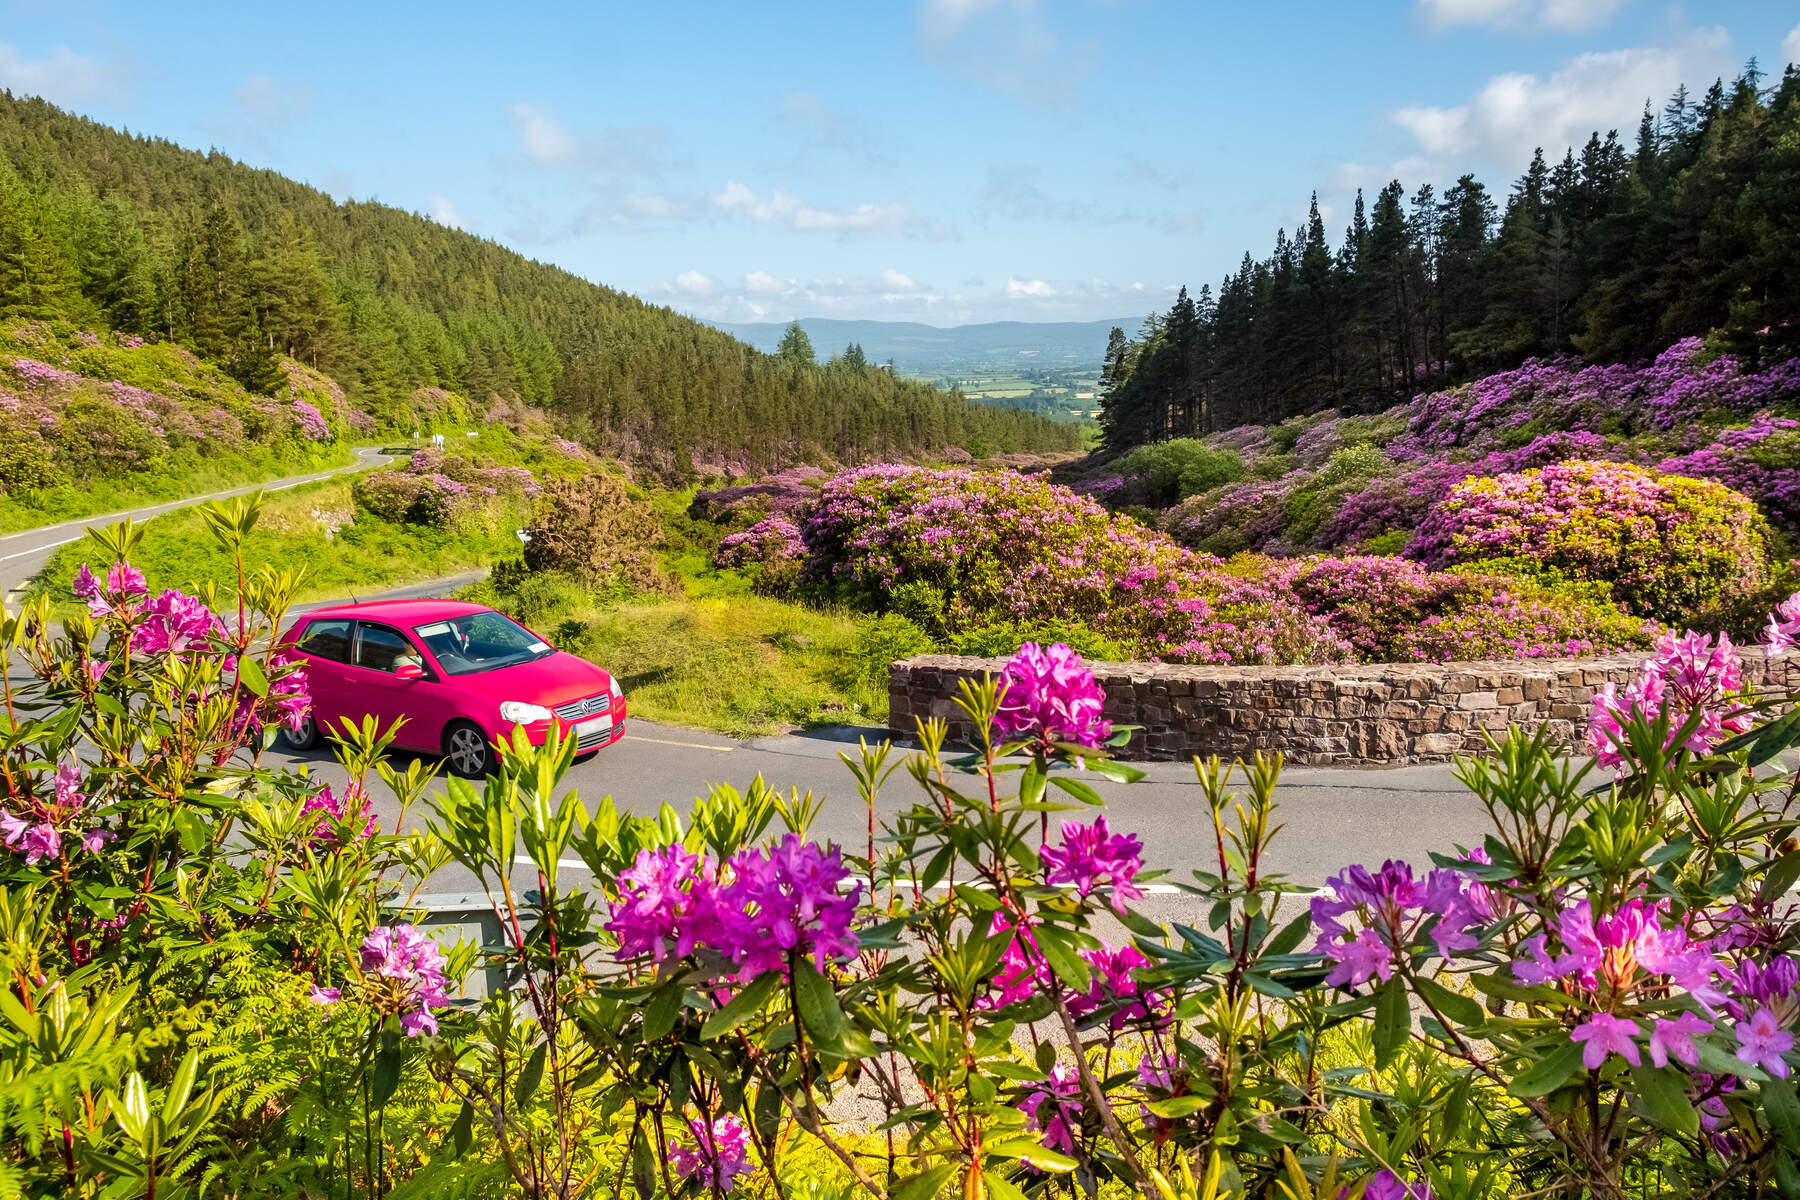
(23, 555)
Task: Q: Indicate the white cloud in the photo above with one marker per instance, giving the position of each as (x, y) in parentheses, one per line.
(444, 212)
(1790, 45)
(1514, 113)
(940, 21)
(1018, 288)
(895, 295)
(785, 211)
(693, 283)
(545, 141)
(631, 150)
(271, 99)
(1564, 15)
(62, 76)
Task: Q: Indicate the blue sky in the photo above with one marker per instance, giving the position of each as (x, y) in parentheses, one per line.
(937, 160)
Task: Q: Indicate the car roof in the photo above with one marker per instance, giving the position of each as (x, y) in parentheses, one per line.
(406, 612)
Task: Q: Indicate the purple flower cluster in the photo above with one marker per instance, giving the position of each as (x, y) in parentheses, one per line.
(717, 1157)
(1049, 696)
(336, 813)
(1392, 909)
(311, 422)
(38, 833)
(1053, 1110)
(1688, 675)
(772, 903)
(1761, 460)
(1091, 857)
(404, 973)
(770, 540)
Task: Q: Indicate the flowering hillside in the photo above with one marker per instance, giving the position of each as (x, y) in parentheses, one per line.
(973, 560)
(1418, 477)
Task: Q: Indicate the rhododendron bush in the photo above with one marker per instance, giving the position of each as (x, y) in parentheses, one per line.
(1671, 548)
(959, 551)
(218, 980)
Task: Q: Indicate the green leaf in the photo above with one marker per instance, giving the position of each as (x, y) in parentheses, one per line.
(1784, 1112)
(386, 1080)
(1290, 936)
(1118, 772)
(250, 674)
(1029, 1150)
(977, 898)
(1663, 1094)
(1766, 741)
(532, 1075)
(1178, 1106)
(925, 1185)
(1780, 876)
(746, 1004)
(643, 1167)
(1393, 1020)
(662, 1011)
(1458, 1007)
(819, 1011)
(1059, 951)
(462, 1134)
(1548, 1073)
(1079, 790)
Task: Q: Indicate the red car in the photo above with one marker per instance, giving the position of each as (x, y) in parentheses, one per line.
(455, 677)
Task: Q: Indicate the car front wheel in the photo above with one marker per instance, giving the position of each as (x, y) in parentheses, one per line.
(466, 750)
(303, 738)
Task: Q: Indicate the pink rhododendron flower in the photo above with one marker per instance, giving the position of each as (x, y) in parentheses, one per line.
(1092, 856)
(1675, 1039)
(1112, 984)
(1689, 674)
(784, 899)
(1385, 1185)
(408, 970)
(173, 623)
(1051, 696)
(1762, 1042)
(665, 905)
(323, 996)
(1784, 625)
(334, 812)
(1606, 1034)
(1360, 959)
(1022, 967)
(719, 1154)
(1054, 1109)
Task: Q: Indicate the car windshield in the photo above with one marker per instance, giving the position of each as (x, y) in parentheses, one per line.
(481, 641)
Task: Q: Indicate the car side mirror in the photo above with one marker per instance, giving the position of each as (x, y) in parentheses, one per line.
(409, 671)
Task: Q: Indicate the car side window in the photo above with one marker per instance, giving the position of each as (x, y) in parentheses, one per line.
(382, 648)
(328, 640)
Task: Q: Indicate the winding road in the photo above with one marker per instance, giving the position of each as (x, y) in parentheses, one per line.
(1332, 816)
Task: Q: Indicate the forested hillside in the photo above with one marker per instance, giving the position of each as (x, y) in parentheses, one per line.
(107, 230)
(1611, 253)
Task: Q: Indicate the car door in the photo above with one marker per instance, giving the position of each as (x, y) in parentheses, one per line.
(326, 643)
(419, 706)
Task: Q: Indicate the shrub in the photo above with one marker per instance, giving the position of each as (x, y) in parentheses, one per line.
(1675, 549)
(1174, 470)
(1004, 547)
(592, 528)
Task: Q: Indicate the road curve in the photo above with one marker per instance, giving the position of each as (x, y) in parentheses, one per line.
(23, 555)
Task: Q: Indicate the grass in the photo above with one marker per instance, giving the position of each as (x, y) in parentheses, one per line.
(315, 527)
(182, 476)
(717, 656)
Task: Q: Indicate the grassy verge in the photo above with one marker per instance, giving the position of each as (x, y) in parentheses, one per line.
(180, 478)
(716, 657)
(313, 527)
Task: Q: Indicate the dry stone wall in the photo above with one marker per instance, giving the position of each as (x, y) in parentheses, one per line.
(1363, 713)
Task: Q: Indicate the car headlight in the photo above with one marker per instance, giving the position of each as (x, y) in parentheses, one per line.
(522, 713)
(618, 693)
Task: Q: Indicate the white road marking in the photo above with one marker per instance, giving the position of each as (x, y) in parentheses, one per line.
(636, 737)
(41, 549)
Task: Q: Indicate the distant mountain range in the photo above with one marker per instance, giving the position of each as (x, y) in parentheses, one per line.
(928, 350)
